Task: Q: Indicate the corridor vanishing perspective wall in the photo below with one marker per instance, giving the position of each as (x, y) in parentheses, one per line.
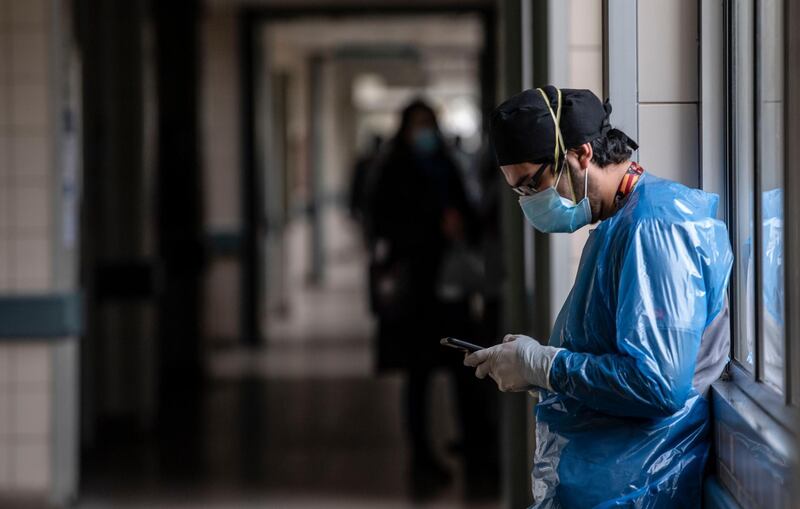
(39, 308)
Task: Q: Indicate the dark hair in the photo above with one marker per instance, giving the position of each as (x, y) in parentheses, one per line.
(610, 148)
(405, 117)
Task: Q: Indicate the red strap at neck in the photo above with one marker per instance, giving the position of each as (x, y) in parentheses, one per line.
(628, 181)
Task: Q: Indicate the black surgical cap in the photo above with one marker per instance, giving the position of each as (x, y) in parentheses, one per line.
(522, 129)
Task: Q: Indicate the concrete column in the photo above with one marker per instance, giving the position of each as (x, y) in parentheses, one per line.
(514, 443)
(178, 191)
(117, 246)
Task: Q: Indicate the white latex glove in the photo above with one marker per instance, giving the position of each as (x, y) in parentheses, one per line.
(517, 364)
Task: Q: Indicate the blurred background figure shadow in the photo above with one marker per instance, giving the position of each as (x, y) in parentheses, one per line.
(426, 279)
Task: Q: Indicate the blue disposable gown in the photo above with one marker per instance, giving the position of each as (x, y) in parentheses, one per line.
(625, 426)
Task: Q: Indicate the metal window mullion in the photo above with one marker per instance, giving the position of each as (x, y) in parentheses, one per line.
(757, 219)
(731, 181)
(732, 184)
(791, 183)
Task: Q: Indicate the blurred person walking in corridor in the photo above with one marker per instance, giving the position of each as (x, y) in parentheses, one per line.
(417, 211)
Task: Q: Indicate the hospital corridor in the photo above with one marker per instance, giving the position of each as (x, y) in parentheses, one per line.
(357, 254)
(301, 423)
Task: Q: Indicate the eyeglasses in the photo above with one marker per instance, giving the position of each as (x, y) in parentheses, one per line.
(530, 187)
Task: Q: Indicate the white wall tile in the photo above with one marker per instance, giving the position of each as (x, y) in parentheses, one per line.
(31, 412)
(37, 284)
(5, 463)
(28, 13)
(668, 141)
(5, 51)
(5, 365)
(586, 22)
(5, 209)
(31, 268)
(5, 262)
(5, 110)
(31, 364)
(31, 208)
(30, 155)
(586, 70)
(30, 470)
(6, 412)
(5, 14)
(29, 105)
(667, 50)
(5, 151)
(29, 56)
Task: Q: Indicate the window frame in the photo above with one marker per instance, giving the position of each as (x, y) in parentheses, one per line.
(791, 183)
(732, 181)
(782, 407)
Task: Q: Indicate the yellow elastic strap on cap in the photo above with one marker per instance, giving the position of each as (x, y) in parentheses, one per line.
(556, 122)
(559, 138)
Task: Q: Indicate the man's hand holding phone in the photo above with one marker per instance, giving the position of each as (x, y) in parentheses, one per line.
(519, 363)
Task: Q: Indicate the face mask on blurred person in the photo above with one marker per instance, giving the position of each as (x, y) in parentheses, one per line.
(425, 142)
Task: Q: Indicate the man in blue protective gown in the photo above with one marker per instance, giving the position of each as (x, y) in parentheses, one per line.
(623, 419)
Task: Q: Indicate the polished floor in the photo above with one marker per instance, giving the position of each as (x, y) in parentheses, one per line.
(300, 423)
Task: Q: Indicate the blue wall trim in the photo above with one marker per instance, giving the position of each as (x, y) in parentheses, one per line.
(40, 316)
(224, 243)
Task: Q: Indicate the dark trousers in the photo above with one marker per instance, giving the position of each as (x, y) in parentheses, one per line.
(476, 400)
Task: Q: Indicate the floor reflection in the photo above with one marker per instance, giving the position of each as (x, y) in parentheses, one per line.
(302, 422)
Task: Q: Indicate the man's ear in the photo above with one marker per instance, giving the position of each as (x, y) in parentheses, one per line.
(585, 154)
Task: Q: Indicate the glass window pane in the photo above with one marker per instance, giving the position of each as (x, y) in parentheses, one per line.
(743, 165)
(770, 158)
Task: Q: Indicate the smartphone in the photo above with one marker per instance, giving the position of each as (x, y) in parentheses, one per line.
(460, 345)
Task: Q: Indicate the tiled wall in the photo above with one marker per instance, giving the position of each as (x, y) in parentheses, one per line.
(668, 50)
(586, 45)
(25, 146)
(25, 417)
(28, 405)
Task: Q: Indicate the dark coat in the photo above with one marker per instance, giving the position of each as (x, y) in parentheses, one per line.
(407, 199)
